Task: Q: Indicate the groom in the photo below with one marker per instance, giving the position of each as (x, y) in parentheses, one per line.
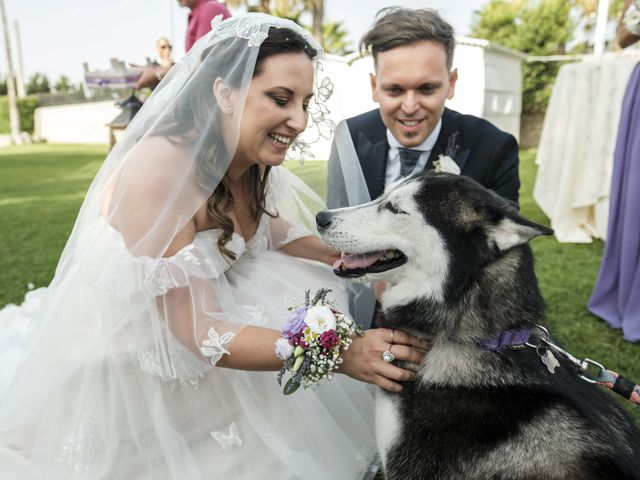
(413, 54)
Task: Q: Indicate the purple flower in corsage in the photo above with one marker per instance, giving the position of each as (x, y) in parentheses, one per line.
(295, 324)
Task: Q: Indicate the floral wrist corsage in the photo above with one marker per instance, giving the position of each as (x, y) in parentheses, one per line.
(312, 340)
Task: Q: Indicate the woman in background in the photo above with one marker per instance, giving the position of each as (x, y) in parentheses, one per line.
(616, 297)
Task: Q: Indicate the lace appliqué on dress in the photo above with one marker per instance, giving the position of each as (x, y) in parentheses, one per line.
(187, 375)
(212, 347)
(229, 440)
(256, 314)
(80, 448)
(149, 362)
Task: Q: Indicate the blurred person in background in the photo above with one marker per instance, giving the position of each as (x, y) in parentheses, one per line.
(164, 49)
(202, 12)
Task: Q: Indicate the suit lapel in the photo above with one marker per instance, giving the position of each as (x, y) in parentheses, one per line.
(449, 130)
(373, 160)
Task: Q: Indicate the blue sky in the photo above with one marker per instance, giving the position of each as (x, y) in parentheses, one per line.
(58, 36)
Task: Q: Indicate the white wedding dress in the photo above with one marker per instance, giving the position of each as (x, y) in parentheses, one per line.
(89, 401)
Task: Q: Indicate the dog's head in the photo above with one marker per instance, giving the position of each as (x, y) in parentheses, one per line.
(428, 236)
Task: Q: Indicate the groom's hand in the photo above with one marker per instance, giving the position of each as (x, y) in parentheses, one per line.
(364, 360)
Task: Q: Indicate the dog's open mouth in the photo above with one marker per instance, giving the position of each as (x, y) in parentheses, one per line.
(356, 265)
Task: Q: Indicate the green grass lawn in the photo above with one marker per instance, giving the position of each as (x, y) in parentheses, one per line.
(42, 187)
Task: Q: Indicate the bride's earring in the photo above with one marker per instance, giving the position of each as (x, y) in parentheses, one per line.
(228, 109)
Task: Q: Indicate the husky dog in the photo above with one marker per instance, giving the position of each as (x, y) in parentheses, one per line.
(459, 271)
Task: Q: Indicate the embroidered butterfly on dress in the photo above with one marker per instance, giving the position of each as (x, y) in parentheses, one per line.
(229, 440)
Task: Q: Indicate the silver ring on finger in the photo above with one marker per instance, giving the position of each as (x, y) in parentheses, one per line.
(387, 356)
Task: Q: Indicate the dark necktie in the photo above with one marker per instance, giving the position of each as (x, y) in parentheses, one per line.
(408, 160)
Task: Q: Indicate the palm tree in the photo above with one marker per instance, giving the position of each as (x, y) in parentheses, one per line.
(334, 39)
(316, 8)
(263, 5)
(288, 9)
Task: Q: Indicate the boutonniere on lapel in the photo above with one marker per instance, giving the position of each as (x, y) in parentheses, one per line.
(445, 162)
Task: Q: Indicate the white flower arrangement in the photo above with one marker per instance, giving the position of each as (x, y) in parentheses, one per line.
(313, 338)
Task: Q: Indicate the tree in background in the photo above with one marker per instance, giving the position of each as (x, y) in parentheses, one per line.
(38, 83)
(293, 9)
(540, 28)
(533, 27)
(586, 13)
(334, 39)
(63, 85)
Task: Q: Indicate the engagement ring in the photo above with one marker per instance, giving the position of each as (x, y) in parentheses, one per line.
(388, 356)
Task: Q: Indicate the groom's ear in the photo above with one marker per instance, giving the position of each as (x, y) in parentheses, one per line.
(374, 84)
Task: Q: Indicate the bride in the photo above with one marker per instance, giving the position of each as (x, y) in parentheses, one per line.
(143, 357)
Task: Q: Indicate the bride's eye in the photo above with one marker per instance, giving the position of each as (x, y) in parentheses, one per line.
(281, 101)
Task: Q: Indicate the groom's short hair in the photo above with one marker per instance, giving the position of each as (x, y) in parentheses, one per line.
(396, 26)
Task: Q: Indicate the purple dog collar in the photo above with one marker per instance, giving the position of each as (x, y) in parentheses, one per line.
(508, 338)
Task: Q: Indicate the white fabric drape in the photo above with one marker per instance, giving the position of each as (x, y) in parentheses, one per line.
(575, 153)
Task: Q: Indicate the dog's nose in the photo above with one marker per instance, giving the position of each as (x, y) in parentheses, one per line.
(323, 219)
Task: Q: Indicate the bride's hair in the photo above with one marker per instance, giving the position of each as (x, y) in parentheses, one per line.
(278, 41)
(195, 122)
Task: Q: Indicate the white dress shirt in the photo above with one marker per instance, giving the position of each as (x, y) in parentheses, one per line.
(393, 160)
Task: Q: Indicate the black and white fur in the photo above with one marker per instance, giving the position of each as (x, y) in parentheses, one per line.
(462, 271)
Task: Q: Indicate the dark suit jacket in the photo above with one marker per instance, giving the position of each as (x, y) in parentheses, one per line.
(484, 153)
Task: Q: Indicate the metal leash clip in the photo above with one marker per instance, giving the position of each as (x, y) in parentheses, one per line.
(607, 378)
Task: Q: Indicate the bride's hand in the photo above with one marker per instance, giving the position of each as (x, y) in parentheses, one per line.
(363, 360)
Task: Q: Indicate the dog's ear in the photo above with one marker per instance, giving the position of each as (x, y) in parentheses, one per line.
(512, 230)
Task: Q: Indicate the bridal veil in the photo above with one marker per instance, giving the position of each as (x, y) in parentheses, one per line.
(117, 375)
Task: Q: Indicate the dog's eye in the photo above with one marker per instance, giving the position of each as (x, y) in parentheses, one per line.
(394, 209)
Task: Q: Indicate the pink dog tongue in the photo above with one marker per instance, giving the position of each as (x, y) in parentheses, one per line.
(357, 261)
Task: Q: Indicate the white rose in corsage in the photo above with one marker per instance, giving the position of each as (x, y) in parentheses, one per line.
(283, 348)
(312, 339)
(320, 319)
(446, 164)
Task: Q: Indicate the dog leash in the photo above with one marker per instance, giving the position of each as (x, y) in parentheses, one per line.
(515, 339)
(605, 377)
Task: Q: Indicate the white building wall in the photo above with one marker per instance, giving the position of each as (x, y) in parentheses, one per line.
(76, 123)
(469, 91)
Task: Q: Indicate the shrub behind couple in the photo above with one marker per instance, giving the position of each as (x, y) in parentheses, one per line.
(186, 253)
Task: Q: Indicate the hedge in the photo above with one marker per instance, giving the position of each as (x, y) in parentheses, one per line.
(26, 108)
